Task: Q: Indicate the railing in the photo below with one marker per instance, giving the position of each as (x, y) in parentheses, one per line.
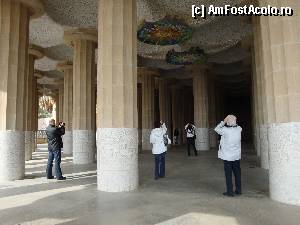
(41, 137)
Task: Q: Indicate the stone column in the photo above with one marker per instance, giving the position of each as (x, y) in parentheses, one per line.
(117, 142)
(35, 120)
(30, 102)
(148, 88)
(140, 113)
(256, 92)
(177, 112)
(212, 112)
(67, 116)
(263, 99)
(14, 28)
(165, 103)
(60, 102)
(279, 39)
(180, 114)
(84, 71)
(200, 89)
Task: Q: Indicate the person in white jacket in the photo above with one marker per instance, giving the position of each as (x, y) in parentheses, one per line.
(158, 137)
(230, 153)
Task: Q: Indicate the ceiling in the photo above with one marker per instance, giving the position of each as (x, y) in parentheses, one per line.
(226, 40)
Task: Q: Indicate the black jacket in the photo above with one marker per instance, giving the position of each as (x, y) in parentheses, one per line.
(54, 137)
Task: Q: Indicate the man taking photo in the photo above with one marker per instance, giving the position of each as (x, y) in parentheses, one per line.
(55, 145)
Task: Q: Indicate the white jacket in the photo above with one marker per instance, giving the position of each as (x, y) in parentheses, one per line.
(190, 133)
(230, 144)
(157, 140)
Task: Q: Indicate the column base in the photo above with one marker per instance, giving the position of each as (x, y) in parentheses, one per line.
(202, 139)
(284, 173)
(68, 143)
(140, 137)
(117, 163)
(146, 145)
(213, 138)
(84, 146)
(34, 144)
(264, 147)
(28, 144)
(12, 155)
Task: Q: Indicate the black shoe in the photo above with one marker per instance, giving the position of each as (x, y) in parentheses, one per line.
(162, 177)
(228, 194)
(238, 192)
(61, 178)
(50, 178)
(156, 178)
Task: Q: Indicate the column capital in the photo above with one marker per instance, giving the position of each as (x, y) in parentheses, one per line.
(38, 74)
(36, 7)
(64, 66)
(80, 34)
(36, 51)
(148, 71)
(60, 83)
(197, 69)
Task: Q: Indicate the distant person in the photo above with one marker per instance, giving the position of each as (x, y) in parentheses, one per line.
(190, 137)
(55, 144)
(176, 136)
(230, 153)
(160, 140)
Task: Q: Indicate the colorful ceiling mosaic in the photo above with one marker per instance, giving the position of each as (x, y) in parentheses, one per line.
(167, 31)
(195, 55)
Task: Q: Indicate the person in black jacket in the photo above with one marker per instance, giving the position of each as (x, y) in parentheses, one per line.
(55, 144)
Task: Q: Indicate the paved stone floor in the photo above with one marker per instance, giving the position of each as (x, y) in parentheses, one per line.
(190, 194)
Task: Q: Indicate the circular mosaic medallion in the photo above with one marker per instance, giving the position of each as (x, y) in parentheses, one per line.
(195, 55)
(167, 31)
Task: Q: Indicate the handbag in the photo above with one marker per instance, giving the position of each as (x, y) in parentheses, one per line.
(166, 140)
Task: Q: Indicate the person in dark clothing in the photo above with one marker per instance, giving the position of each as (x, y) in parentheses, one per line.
(190, 137)
(176, 136)
(55, 144)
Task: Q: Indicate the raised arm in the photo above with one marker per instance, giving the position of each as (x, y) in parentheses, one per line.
(219, 128)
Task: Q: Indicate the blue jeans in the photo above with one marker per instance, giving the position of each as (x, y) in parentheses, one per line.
(160, 165)
(54, 155)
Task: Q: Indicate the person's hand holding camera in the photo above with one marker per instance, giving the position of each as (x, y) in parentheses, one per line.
(61, 124)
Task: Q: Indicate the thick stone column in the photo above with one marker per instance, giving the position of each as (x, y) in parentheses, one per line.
(84, 72)
(14, 29)
(175, 112)
(180, 114)
(35, 120)
(200, 89)
(117, 142)
(30, 106)
(264, 109)
(212, 113)
(148, 88)
(60, 102)
(254, 104)
(165, 103)
(67, 116)
(279, 38)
